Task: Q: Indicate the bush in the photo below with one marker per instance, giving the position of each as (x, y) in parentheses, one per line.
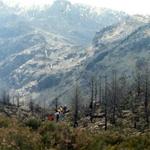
(4, 122)
(33, 123)
(137, 142)
(105, 140)
(54, 135)
(60, 136)
(117, 141)
(16, 137)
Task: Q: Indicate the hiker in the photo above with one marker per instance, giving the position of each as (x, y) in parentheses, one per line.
(57, 114)
(51, 117)
(62, 115)
(65, 109)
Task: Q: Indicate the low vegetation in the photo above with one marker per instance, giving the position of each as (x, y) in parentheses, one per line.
(60, 136)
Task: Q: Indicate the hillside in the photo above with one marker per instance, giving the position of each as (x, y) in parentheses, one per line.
(41, 49)
(44, 50)
(121, 46)
(24, 130)
(74, 76)
(79, 23)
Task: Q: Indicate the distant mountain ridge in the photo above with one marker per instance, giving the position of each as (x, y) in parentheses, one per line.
(76, 22)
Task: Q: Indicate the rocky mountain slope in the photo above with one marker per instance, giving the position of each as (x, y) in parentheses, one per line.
(76, 22)
(121, 46)
(43, 49)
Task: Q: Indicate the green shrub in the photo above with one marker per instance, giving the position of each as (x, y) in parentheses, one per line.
(22, 141)
(33, 123)
(106, 140)
(139, 142)
(4, 122)
(20, 138)
(52, 134)
(60, 136)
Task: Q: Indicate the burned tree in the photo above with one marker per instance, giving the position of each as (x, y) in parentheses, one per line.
(137, 90)
(96, 91)
(92, 99)
(5, 100)
(100, 90)
(56, 104)
(31, 106)
(123, 94)
(106, 103)
(76, 106)
(43, 111)
(18, 101)
(114, 97)
(146, 94)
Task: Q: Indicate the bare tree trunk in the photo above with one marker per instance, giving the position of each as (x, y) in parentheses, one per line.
(138, 84)
(146, 97)
(44, 109)
(5, 98)
(18, 101)
(134, 112)
(136, 98)
(105, 103)
(95, 96)
(56, 104)
(13, 100)
(31, 106)
(114, 86)
(100, 90)
(76, 107)
(92, 100)
(95, 91)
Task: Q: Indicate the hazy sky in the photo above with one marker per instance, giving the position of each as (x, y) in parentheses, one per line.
(129, 6)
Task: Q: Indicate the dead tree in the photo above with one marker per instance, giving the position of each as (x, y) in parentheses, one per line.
(18, 101)
(146, 93)
(31, 106)
(96, 91)
(95, 95)
(44, 109)
(13, 100)
(100, 90)
(106, 103)
(138, 84)
(92, 100)
(114, 97)
(5, 98)
(123, 94)
(136, 96)
(76, 107)
(56, 104)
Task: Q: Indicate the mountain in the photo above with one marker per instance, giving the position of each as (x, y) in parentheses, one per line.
(39, 61)
(77, 22)
(43, 50)
(121, 46)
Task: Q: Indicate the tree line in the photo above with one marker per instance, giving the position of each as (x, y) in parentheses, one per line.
(115, 94)
(112, 94)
